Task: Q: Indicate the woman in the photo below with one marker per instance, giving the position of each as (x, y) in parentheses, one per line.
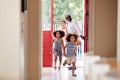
(63, 28)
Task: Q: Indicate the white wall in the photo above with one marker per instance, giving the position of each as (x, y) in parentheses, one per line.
(118, 32)
(9, 39)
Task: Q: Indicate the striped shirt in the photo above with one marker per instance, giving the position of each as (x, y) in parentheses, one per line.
(70, 49)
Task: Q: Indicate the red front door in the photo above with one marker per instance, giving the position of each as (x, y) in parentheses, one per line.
(47, 39)
(47, 55)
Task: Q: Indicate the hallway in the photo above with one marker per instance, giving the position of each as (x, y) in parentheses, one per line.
(90, 67)
(103, 41)
(64, 73)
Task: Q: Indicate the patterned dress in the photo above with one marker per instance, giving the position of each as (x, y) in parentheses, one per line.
(58, 47)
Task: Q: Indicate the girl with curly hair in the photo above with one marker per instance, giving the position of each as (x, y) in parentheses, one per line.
(58, 46)
(71, 51)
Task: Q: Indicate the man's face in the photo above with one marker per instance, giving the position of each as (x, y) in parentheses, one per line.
(68, 18)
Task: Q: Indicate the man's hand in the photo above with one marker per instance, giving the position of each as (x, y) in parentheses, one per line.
(78, 42)
(84, 37)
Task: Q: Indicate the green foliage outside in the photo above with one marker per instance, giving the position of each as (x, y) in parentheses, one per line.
(73, 7)
(62, 7)
(46, 11)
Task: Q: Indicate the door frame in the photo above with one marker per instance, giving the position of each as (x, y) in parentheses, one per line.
(33, 43)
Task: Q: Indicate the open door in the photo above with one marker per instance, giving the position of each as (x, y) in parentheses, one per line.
(86, 14)
(47, 35)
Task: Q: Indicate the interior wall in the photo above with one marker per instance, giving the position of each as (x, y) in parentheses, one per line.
(118, 33)
(9, 40)
(105, 28)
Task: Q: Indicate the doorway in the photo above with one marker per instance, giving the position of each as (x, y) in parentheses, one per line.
(34, 42)
(53, 11)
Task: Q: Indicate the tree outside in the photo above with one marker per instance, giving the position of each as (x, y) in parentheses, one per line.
(62, 7)
(73, 7)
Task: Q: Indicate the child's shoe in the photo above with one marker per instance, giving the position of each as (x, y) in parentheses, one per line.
(54, 67)
(74, 75)
(59, 68)
(65, 62)
(70, 68)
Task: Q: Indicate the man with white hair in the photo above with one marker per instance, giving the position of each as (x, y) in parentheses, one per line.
(73, 26)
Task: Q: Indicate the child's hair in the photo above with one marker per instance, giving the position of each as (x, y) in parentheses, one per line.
(62, 33)
(63, 21)
(69, 35)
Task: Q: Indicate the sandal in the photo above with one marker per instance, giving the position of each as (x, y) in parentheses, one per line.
(65, 62)
(55, 67)
(59, 68)
(74, 75)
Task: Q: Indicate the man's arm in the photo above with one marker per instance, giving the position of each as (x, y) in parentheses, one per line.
(79, 30)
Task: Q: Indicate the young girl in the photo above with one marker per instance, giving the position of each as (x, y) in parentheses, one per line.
(58, 46)
(71, 51)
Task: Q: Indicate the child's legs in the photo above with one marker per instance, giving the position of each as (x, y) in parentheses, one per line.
(73, 64)
(74, 60)
(55, 59)
(73, 68)
(60, 60)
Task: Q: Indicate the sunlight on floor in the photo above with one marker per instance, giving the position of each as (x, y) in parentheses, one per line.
(63, 74)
